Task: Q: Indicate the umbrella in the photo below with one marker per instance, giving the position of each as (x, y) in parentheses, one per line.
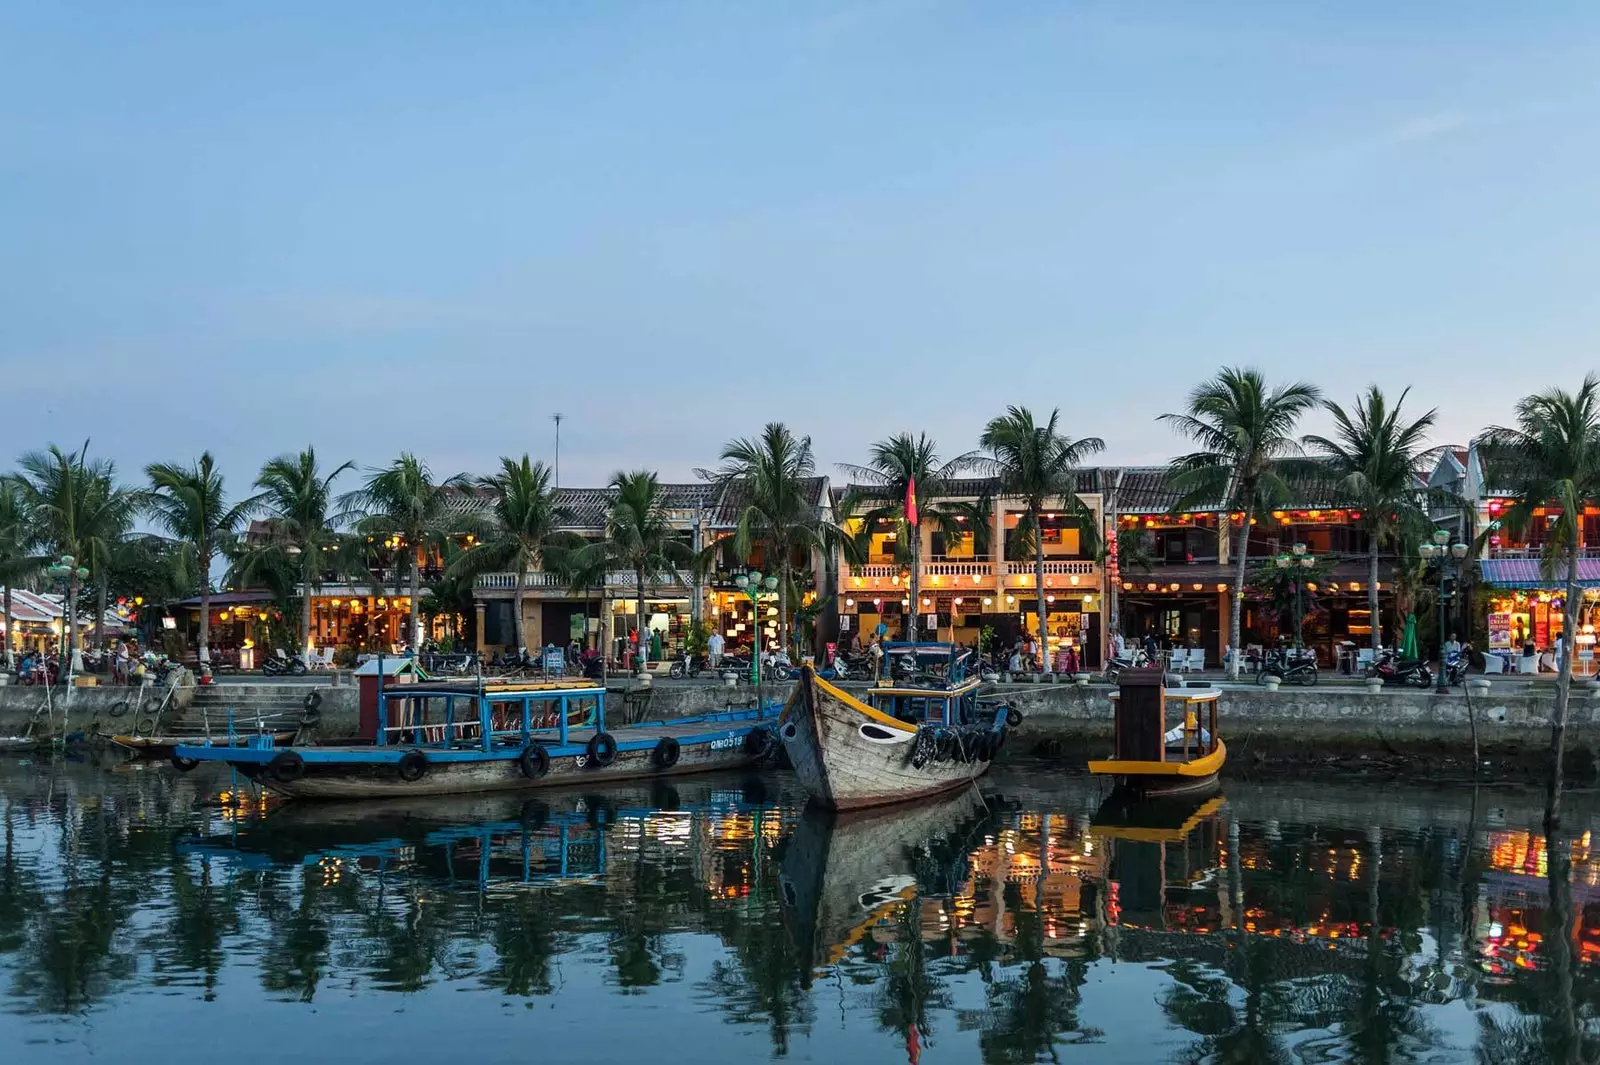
(1408, 641)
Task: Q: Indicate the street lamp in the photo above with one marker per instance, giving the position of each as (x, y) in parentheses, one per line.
(64, 571)
(1298, 561)
(757, 589)
(1449, 556)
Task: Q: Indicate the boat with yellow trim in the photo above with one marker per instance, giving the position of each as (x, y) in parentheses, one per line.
(1161, 745)
(917, 735)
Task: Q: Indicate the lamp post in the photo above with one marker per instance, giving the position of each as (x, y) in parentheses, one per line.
(757, 589)
(1449, 557)
(1298, 561)
(66, 571)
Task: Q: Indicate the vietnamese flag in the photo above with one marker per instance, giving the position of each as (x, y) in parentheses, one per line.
(911, 501)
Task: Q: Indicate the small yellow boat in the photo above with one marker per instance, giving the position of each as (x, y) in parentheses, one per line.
(1162, 746)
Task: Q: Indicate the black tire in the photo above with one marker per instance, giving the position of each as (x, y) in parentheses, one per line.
(676, 672)
(413, 766)
(1309, 677)
(118, 708)
(297, 667)
(181, 764)
(602, 750)
(535, 815)
(534, 761)
(311, 702)
(1422, 678)
(286, 767)
(1013, 717)
(758, 742)
(666, 754)
(1262, 675)
(944, 746)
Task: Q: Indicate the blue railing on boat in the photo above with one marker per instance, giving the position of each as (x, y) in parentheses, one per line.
(488, 717)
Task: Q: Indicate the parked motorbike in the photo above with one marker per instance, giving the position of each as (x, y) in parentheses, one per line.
(689, 666)
(1398, 671)
(1455, 668)
(1135, 659)
(1292, 669)
(281, 665)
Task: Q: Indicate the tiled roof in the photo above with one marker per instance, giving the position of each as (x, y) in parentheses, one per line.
(1088, 482)
(1148, 490)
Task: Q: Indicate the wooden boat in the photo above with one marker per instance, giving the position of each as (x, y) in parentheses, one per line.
(904, 739)
(1153, 756)
(442, 739)
(844, 874)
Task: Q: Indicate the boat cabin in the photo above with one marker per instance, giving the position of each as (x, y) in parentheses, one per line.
(926, 683)
(1166, 739)
(488, 716)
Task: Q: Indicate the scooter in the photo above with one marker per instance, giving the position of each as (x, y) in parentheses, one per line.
(280, 665)
(1301, 669)
(1395, 670)
(1136, 659)
(688, 666)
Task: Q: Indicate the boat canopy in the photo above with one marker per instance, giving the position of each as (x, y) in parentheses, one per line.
(942, 664)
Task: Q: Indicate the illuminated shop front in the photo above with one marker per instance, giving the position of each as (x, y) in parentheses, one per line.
(1526, 608)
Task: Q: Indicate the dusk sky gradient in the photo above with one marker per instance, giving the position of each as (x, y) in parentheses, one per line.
(386, 226)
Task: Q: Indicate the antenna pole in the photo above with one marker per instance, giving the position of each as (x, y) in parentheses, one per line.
(556, 417)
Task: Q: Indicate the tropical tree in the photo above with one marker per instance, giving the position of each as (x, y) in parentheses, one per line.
(76, 509)
(402, 501)
(190, 504)
(1244, 430)
(296, 497)
(771, 477)
(1551, 461)
(1379, 464)
(523, 527)
(910, 486)
(639, 538)
(1037, 464)
(17, 563)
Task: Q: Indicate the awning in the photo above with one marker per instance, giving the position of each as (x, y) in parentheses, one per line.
(1529, 573)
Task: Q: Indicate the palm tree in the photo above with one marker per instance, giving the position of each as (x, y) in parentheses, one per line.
(404, 502)
(1245, 432)
(895, 466)
(297, 498)
(189, 503)
(1038, 465)
(1379, 464)
(771, 477)
(1551, 459)
(76, 509)
(524, 526)
(638, 537)
(16, 560)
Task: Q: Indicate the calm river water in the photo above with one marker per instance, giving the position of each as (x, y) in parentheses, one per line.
(714, 921)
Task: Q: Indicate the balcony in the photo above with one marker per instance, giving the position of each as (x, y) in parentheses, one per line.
(539, 580)
(1054, 567)
(954, 574)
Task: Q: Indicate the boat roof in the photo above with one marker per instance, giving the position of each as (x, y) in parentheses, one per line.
(959, 688)
(921, 649)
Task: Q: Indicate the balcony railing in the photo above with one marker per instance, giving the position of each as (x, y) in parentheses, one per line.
(1059, 567)
(539, 579)
(958, 569)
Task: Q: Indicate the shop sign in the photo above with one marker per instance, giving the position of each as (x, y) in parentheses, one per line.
(1499, 630)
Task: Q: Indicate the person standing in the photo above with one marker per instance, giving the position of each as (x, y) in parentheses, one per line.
(714, 648)
(877, 657)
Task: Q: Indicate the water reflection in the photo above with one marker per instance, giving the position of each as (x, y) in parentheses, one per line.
(1284, 922)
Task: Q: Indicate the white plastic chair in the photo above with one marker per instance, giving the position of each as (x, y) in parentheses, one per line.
(1181, 661)
(1493, 663)
(1363, 659)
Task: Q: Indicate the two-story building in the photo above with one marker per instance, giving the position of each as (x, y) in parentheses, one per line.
(979, 579)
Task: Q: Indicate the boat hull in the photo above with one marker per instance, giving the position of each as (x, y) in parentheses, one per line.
(849, 756)
(729, 741)
(1193, 778)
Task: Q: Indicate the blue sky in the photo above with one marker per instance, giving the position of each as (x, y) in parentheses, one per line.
(375, 226)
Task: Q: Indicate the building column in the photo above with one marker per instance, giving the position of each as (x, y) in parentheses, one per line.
(478, 610)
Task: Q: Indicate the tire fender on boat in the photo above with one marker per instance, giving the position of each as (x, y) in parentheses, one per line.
(534, 761)
(665, 756)
(413, 766)
(182, 764)
(602, 749)
(312, 701)
(758, 742)
(1013, 717)
(286, 767)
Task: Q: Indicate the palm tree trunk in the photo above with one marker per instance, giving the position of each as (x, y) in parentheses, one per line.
(415, 629)
(640, 644)
(1236, 608)
(516, 606)
(100, 613)
(1038, 586)
(205, 606)
(1558, 720)
(305, 609)
(1372, 595)
(915, 532)
(72, 624)
(783, 609)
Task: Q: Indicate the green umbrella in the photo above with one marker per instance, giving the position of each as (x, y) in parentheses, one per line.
(1408, 641)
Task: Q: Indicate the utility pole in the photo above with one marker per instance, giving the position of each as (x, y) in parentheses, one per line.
(556, 417)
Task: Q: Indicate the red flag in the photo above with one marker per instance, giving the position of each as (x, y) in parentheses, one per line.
(911, 501)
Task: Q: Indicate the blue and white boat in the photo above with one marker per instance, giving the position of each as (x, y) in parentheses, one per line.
(453, 738)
